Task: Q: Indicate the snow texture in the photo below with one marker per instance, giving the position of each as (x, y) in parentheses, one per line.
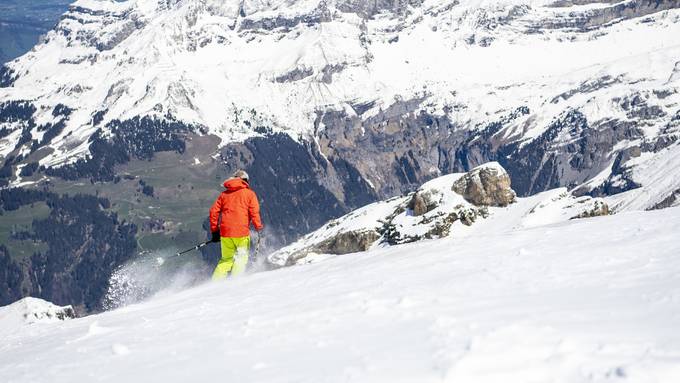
(591, 300)
(229, 66)
(31, 310)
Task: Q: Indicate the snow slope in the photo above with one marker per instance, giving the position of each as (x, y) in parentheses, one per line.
(31, 310)
(591, 300)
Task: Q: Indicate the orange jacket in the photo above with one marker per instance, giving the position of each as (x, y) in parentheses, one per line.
(237, 207)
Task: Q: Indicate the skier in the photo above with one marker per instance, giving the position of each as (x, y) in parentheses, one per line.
(233, 211)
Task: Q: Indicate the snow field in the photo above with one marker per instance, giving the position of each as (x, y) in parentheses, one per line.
(592, 300)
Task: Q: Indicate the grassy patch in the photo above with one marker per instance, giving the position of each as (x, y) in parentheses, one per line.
(185, 186)
(20, 220)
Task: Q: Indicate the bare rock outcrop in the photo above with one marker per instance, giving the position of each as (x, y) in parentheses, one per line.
(486, 185)
(342, 243)
(423, 202)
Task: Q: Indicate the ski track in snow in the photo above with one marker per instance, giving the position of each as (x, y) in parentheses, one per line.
(594, 300)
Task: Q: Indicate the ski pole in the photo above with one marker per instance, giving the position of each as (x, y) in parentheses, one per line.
(257, 245)
(193, 248)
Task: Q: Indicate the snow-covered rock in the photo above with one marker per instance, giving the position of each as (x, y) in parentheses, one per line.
(31, 310)
(438, 210)
(427, 213)
(486, 185)
(560, 205)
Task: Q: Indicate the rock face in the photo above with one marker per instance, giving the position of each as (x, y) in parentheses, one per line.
(487, 185)
(349, 242)
(671, 200)
(423, 202)
(342, 243)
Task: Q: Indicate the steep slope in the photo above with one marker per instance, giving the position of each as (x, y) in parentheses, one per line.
(22, 24)
(331, 105)
(592, 300)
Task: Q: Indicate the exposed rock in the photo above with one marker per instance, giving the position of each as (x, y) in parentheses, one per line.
(597, 208)
(637, 106)
(675, 75)
(343, 243)
(349, 242)
(418, 205)
(620, 180)
(486, 185)
(672, 200)
(588, 86)
(329, 70)
(296, 74)
(423, 202)
(560, 205)
(318, 15)
(568, 153)
(595, 18)
(570, 3)
(371, 8)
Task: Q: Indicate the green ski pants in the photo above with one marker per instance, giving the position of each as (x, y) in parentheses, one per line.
(235, 252)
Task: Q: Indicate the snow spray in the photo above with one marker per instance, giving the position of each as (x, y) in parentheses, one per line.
(162, 272)
(150, 274)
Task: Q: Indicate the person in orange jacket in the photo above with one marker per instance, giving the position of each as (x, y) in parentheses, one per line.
(233, 211)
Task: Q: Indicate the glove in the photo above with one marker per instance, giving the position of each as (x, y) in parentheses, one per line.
(215, 236)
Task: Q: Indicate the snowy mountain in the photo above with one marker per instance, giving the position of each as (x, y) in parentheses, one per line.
(329, 105)
(584, 86)
(22, 23)
(483, 167)
(589, 300)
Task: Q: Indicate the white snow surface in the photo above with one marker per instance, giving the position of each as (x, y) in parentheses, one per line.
(591, 300)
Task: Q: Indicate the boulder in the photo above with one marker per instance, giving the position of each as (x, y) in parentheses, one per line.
(341, 243)
(486, 185)
(423, 202)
